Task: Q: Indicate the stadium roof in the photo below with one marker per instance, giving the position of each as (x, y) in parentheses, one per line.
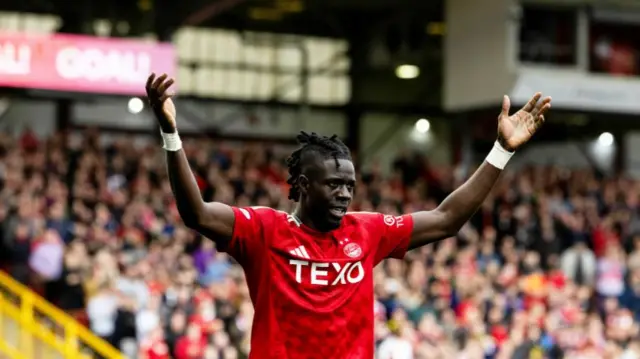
(406, 31)
(335, 18)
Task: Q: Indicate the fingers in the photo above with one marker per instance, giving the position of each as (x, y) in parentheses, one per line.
(150, 81)
(157, 88)
(506, 105)
(541, 108)
(165, 86)
(159, 81)
(531, 105)
(545, 105)
(538, 122)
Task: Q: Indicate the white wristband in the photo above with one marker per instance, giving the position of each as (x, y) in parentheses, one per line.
(498, 156)
(172, 141)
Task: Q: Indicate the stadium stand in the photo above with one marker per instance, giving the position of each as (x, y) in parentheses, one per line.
(550, 265)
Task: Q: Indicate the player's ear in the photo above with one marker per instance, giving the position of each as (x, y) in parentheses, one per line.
(303, 184)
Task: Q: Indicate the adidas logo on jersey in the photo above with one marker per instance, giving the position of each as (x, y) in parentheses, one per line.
(300, 252)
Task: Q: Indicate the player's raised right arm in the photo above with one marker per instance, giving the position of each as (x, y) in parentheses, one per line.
(214, 220)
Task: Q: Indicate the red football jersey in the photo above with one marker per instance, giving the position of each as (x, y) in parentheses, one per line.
(154, 348)
(313, 291)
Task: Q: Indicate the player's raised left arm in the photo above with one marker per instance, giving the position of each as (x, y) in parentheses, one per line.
(513, 131)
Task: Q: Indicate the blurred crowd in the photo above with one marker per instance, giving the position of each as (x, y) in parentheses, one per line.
(549, 267)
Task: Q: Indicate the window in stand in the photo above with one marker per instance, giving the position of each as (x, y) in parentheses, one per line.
(615, 47)
(548, 35)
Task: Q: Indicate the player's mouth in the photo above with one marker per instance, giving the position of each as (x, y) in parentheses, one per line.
(338, 211)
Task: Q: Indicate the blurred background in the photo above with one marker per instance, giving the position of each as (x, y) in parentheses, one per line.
(97, 263)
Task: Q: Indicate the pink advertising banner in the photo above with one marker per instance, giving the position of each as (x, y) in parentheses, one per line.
(81, 63)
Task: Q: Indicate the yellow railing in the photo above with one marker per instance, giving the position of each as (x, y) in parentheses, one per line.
(31, 312)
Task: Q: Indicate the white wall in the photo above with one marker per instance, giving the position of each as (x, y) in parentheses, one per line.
(478, 62)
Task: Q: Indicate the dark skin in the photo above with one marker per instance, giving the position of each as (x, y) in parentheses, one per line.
(325, 186)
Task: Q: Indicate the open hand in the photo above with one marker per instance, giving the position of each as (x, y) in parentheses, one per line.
(160, 101)
(517, 129)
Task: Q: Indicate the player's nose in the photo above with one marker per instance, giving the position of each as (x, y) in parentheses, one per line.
(344, 194)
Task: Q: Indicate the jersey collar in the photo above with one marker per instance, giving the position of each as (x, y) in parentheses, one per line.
(337, 234)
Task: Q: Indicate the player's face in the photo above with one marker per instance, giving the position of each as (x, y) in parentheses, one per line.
(330, 192)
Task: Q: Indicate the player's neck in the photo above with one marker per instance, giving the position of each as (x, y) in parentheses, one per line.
(307, 220)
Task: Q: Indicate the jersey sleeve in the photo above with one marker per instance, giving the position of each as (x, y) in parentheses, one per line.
(248, 240)
(395, 234)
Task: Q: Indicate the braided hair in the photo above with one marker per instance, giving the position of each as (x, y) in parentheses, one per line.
(327, 147)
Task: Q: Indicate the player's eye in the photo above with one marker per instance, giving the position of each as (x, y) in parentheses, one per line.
(337, 184)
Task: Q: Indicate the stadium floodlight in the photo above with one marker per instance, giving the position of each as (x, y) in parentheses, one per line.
(407, 72)
(135, 105)
(423, 125)
(605, 139)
